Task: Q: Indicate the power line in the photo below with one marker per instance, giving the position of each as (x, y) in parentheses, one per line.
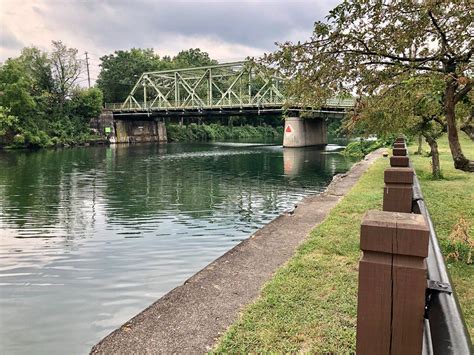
(88, 74)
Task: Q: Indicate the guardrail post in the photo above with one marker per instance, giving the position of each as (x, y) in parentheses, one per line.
(392, 283)
(399, 158)
(398, 190)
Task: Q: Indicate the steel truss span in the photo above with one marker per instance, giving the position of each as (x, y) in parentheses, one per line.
(238, 85)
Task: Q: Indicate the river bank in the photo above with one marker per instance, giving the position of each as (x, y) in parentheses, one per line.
(310, 304)
(190, 318)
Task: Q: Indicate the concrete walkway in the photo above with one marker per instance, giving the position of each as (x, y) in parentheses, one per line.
(190, 318)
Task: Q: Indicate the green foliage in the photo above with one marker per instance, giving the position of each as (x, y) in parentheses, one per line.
(367, 46)
(41, 104)
(8, 122)
(86, 103)
(192, 57)
(213, 131)
(362, 147)
(121, 70)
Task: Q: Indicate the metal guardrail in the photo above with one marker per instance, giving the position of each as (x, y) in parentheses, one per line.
(445, 330)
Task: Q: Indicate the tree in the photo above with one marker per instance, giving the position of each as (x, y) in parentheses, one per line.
(66, 69)
(192, 57)
(40, 102)
(412, 107)
(86, 103)
(7, 122)
(37, 66)
(16, 86)
(120, 71)
(366, 45)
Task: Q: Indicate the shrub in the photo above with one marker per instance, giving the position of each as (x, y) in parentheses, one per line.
(214, 131)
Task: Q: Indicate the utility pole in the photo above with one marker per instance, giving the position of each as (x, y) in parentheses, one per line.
(88, 74)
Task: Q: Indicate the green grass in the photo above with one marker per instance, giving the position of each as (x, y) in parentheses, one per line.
(450, 199)
(310, 303)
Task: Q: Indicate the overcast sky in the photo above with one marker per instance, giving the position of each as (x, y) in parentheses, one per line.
(227, 30)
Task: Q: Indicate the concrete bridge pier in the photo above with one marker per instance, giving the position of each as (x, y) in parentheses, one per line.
(129, 129)
(300, 132)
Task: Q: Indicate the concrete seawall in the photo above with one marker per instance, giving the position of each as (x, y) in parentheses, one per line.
(191, 317)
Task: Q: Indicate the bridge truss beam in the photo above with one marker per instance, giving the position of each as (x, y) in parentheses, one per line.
(231, 85)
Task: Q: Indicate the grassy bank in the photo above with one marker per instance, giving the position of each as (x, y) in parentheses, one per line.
(450, 201)
(310, 304)
(213, 131)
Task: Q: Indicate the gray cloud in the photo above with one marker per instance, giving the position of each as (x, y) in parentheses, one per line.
(227, 30)
(8, 40)
(124, 24)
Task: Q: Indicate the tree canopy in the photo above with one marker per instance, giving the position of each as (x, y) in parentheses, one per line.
(120, 70)
(363, 47)
(40, 101)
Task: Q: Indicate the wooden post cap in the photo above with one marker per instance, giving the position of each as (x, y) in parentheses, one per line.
(399, 161)
(400, 140)
(403, 175)
(399, 151)
(394, 233)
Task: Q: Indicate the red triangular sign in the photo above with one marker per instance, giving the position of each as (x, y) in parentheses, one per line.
(288, 129)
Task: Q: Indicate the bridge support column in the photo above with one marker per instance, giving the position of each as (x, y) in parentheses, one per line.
(139, 131)
(300, 132)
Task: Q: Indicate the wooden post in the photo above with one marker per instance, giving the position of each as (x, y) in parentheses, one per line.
(399, 158)
(399, 145)
(399, 161)
(398, 190)
(392, 283)
(399, 152)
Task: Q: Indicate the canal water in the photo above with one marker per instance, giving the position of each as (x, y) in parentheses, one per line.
(91, 236)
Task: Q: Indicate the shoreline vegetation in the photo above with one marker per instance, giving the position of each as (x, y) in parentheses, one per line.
(211, 132)
(310, 303)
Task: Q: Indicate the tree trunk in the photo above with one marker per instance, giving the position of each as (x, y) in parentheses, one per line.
(435, 166)
(467, 126)
(420, 145)
(460, 161)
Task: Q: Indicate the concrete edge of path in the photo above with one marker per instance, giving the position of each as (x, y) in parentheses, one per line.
(191, 317)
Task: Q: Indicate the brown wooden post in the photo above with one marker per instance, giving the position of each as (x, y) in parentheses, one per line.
(399, 158)
(392, 283)
(399, 145)
(399, 161)
(399, 152)
(398, 190)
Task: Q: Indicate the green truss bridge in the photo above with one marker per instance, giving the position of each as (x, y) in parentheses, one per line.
(238, 87)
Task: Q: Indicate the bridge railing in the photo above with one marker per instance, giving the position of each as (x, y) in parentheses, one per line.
(217, 103)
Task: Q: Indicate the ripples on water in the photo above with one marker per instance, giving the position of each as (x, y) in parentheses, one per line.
(91, 236)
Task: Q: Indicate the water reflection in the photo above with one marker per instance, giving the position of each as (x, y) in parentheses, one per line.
(90, 236)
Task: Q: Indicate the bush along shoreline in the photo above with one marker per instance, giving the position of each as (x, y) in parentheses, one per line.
(214, 131)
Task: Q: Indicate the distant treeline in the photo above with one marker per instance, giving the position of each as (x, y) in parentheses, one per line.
(216, 131)
(43, 101)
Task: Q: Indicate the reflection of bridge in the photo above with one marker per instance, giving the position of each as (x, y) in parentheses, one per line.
(237, 88)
